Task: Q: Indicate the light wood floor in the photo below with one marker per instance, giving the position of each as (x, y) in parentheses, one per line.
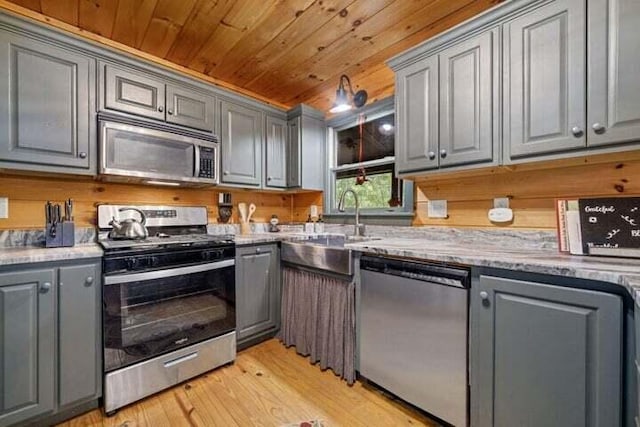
(268, 385)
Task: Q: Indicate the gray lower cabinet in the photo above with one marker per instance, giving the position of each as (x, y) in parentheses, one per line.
(241, 144)
(276, 152)
(47, 106)
(257, 291)
(544, 355)
(79, 333)
(50, 340)
(143, 94)
(614, 65)
(545, 80)
(27, 344)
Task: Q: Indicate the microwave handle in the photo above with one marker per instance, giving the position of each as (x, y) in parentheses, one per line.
(196, 157)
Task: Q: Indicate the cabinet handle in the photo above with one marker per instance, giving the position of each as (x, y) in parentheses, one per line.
(484, 296)
(576, 131)
(268, 178)
(44, 288)
(443, 153)
(82, 155)
(257, 250)
(169, 111)
(598, 128)
(160, 108)
(88, 281)
(431, 155)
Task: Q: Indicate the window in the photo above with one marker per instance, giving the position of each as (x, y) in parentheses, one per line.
(362, 159)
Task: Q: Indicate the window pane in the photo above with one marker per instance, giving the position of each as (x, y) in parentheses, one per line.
(377, 141)
(381, 190)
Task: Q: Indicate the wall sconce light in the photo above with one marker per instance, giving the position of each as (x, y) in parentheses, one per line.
(343, 103)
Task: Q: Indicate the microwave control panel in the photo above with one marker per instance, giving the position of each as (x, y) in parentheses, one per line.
(207, 162)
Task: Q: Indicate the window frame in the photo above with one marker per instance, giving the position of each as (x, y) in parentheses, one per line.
(369, 215)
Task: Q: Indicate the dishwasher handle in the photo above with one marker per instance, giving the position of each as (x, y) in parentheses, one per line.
(458, 277)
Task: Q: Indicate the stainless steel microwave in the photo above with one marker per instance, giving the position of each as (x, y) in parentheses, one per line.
(132, 152)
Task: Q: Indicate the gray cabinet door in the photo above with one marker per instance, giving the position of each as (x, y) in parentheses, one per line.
(46, 104)
(27, 347)
(417, 113)
(257, 290)
(614, 69)
(276, 152)
(132, 92)
(241, 144)
(187, 107)
(545, 80)
(469, 100)
(79, 312)
(294, 153)
(545, 355)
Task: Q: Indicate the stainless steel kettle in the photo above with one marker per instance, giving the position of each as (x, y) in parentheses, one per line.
(129, 228)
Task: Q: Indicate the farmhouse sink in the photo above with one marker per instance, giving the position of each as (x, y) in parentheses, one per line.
(322, 253)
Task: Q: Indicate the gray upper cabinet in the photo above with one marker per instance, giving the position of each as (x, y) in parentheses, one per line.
(306, 148)
(545, 355)
(545, 80)
(190, 108)
(143, 94)
(80, 331)
(614, 67)
(241, 145)
(417, 116)
(276, 152)
(257, 291)
(294, 162)
(27, 334)
(47, 106)
(447, 106)
(469, 108)
(134, 93)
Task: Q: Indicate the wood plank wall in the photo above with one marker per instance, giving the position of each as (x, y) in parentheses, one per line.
(532, 191)
(27, 196)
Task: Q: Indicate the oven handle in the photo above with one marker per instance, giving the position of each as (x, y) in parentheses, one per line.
(170, 272)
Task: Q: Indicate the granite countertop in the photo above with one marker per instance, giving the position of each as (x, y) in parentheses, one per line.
(620, 271)
(256, 238)
(31, 254)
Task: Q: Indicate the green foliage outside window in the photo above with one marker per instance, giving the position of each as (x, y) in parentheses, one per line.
(374, 193)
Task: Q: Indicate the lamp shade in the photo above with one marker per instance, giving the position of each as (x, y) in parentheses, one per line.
(342, 102)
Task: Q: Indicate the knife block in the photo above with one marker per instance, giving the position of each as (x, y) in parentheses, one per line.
(53, 235)
(62, 235)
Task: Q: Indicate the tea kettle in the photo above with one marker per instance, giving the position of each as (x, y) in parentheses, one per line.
(129, 228)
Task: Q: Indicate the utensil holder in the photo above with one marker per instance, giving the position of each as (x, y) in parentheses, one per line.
(245, 228)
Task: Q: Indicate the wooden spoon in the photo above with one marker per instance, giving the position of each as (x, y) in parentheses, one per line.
(242, 208)
(252, 209)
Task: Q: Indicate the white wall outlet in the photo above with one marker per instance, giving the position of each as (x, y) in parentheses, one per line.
(4, 207)
(501, 202)
(437, 209)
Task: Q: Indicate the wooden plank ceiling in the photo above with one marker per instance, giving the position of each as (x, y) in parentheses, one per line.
(287, 51)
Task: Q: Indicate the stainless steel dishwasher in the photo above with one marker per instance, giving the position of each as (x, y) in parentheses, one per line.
(413, 333)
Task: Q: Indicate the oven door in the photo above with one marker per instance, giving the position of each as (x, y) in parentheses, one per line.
(151, 313)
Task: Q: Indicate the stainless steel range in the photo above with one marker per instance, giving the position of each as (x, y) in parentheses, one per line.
(169, 300)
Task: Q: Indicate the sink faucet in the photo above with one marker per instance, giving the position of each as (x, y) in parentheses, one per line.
(359, 228)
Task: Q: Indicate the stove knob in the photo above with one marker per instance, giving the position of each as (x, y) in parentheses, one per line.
(206, 255)
(154, 261)
(132, 263)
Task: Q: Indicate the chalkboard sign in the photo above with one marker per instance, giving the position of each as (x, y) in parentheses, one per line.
(610, 222)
